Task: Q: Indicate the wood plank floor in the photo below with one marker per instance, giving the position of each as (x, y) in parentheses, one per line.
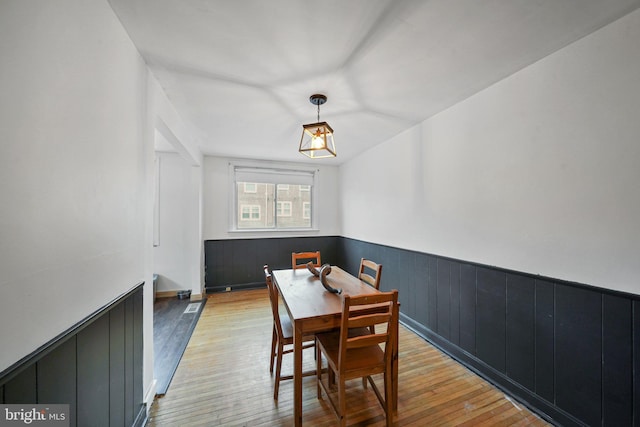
(223, 380)
(172, 328)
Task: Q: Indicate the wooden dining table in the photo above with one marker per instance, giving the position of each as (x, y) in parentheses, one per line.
(313, 309)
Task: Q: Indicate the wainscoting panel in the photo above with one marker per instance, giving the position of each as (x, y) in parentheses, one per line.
(95, 367)
(468, 303)
(544, 340)
(237, 263)
(93, 373)
(520, 330)
(636, 363)
(570, 351)
(617, 360)
(578, 352)
(490, 317)
(418, 295)
(22, 388)
(56, 384)
(117, 363)
(432, 292)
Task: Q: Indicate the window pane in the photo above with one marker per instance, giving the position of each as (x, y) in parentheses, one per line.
(255, 205)
(291, 206)
(266, 205)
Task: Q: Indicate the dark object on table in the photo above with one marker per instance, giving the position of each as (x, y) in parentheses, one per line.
(324, 271)
(313, 269)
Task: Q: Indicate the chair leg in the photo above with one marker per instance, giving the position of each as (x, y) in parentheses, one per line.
(274, 339)
(331, 377)
(388, 398)
(342, 402)
(278, 369)
(317, 353)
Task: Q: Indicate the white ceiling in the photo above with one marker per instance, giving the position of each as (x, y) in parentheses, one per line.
(241, 72)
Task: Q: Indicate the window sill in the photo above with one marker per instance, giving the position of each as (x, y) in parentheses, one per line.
(272, 231)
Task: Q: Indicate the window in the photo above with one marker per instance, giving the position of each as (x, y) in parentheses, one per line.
(250, 212)
(284, 209)
(272, 199)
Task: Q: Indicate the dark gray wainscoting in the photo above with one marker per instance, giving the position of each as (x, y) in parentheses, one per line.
(569, 351)
(238, 263)
(95, 367)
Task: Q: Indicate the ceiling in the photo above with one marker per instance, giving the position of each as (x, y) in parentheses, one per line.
(241, 72)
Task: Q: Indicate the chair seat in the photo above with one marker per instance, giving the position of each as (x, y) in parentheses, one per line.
(367, 358)
(287, 331)
(287, 327)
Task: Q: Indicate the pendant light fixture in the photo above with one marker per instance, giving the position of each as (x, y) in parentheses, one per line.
(317, 138)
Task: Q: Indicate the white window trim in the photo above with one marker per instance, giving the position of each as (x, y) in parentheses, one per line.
(274, 167)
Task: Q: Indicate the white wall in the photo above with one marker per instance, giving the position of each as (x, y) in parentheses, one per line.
(76, 171)
(216, 200)
(538, 173)
(179, 216)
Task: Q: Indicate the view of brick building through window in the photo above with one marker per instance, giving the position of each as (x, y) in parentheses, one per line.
(265, 205)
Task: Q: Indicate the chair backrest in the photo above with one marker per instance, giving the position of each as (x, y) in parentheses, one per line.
(273, 299)
(382, 308)
(370, 272)
(296, 257)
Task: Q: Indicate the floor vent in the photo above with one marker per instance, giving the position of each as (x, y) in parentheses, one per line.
(192, 308)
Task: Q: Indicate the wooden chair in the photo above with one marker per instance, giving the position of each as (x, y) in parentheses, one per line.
(363, 355)
(296, 257)
(370, 272)
(282, 336)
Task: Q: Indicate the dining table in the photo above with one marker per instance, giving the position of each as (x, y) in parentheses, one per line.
(313, 309)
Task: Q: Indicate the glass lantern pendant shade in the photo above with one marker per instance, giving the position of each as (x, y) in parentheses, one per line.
(317, 138)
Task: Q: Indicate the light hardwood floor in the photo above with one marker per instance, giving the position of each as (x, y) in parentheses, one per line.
(223, 380)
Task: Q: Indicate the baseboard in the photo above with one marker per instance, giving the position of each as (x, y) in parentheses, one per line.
(166, 294)
(150, 395)
(142, 417)
(238, 287)
(172, 294)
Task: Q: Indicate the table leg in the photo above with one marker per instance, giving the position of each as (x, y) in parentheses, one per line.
(297, 375)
